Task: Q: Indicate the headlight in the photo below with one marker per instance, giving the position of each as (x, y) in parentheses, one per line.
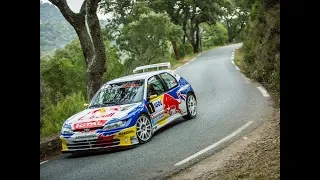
(115, 125)
(66, 131)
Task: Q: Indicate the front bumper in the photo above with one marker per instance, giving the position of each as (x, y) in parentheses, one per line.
(96, 141)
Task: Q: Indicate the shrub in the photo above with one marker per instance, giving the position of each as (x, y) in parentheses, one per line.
(55, 115)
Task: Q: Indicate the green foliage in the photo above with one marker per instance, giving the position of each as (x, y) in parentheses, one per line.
(261, 47)
(235, 17)
(188, 49)
(214, 35)
(64, 73)
(63, 84)
(115, 68)
(55, 115)
(146, 39)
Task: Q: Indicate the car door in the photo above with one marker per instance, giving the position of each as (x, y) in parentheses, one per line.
(171, 101)
(155, 106)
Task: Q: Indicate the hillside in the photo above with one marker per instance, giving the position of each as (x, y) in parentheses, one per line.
(55, 31)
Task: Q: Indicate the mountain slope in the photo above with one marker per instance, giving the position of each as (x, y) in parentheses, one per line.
(55, 31)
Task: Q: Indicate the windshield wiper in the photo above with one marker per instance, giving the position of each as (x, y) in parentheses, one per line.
(95, 105)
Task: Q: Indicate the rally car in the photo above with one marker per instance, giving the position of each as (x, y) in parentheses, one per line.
(128, 110)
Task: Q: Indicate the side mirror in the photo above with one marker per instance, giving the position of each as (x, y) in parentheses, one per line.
(86, 105)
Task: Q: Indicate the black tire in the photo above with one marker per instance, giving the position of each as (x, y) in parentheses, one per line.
(190, 115)
(139, 122)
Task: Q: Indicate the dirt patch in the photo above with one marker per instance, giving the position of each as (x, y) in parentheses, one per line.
(255, 156)
(49, 147)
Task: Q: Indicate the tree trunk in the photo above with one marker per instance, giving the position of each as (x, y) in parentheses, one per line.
(175, 49)
(184, 35)
(87, 27)
(195, 40)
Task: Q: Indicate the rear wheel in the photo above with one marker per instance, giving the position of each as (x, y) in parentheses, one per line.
(144, 128)
(191, 106)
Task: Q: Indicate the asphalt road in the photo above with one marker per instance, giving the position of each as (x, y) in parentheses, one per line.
(226, 101)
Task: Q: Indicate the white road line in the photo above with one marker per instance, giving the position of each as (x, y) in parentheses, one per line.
(237, 68)
(215, 144)
(185, 63)
(43, 162)
(232, 62)
(263, 91)
(231, 58)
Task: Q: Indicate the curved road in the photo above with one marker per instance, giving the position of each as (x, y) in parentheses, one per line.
(226, 102)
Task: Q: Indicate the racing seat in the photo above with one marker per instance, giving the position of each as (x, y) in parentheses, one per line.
(152, 90)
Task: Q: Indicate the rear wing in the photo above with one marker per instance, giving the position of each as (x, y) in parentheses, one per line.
(158, 66)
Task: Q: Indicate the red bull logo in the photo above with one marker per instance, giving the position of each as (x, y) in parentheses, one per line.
(171, 105)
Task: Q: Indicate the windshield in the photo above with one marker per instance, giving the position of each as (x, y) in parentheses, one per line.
(119, 93)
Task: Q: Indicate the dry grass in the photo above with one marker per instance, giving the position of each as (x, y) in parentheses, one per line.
(259, 161)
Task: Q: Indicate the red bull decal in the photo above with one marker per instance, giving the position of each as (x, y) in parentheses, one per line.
(171, 104)
(93, 116)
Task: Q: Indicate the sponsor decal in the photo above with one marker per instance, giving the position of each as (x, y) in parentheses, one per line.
(157, 104)
(171, 103)
(161, 113)
(85, 136)
(128, 85)
(126, 132)
(94, 116)
(91, 124)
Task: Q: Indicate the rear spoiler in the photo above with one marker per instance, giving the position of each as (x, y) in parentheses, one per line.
(158, 66)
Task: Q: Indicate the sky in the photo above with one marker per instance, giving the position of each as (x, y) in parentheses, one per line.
(75, 6)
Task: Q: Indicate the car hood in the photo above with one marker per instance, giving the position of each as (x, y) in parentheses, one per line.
(98, 117)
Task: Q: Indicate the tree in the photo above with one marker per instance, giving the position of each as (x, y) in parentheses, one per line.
(202, 11)
(146, 39)
(64, 72)
(174, 9)
(189, 13)
(87, 27)
(235, 16)
(214, 35)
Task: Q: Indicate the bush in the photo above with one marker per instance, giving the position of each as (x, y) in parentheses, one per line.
(55, 115)
(188, 49)
(214, 35)
(261, 47)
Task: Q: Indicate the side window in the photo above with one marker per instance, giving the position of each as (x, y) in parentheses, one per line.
(170, 81)
(154, 86)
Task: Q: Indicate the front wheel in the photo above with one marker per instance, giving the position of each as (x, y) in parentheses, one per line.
(144, 128)
(191, 107)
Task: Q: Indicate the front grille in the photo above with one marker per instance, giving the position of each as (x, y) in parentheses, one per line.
(90, 129)
(92, 144)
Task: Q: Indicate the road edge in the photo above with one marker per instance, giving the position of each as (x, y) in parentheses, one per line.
(216, 161)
